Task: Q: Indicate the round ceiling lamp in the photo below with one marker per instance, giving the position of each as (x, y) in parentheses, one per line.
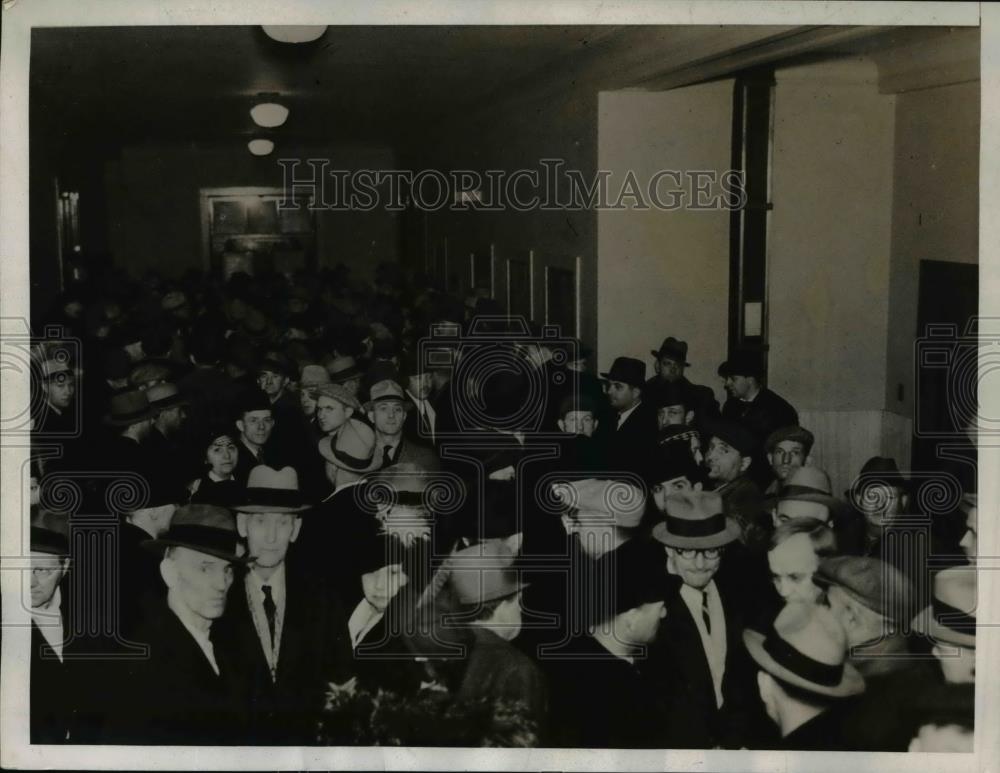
(260, 147)
(269, 114)
(288, 33)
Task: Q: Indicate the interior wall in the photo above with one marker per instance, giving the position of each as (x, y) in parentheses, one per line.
(515, 134)
(665, 272)
(935, 210)
(829, 259)
(154, 215)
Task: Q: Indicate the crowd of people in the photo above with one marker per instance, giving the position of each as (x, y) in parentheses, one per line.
(306, 510)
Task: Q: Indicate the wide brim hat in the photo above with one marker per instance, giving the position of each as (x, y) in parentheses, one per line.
(806, 484)
(951, 616)
(873, 583)
(207, 529)
(280, 365)
(878, 470)
(734, 435)
(165, 395)
(696, 520)
(352, 449)
(628, 370)
(483, 573)
(742, 363)
(671, 347)
(760, 647)
(269, 490)
(50, 533)
(127, 408)
(341, 371)
(339, 393)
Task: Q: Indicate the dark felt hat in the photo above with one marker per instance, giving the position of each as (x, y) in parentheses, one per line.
(742, 363)
(674, 349)
(634, 574)
(671, 461)
(50, 532)
(671, 393)
(628, 370)
(277, 363)
(128, 408)
(253, 399)
(206, 528)
(165, 395)
(874, 583)
(735, 435)
(880, 470)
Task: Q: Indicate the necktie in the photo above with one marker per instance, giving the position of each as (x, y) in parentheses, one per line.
(704, 612)
(270, 610)
(387, 456)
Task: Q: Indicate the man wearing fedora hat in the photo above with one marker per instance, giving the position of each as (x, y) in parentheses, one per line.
(344, 370)
(130, 419)
(599, 695)
(387, 410)
(669, 362)
(274, 377)
(348, 445)
(632, 434)
(949, 622)
(187, 691)
(255, 422)
(806, 493)
(753, 405)
(283, 624)
(57, 414)
(420, 420)
(728, 459)
(486, 588)
(169, 409)
(51, 710)
(803, 676)
(698, 661)
(875, 603)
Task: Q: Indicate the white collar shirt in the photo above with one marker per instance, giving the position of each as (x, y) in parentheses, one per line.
(49, 622)
(254, 587)
(714, 644)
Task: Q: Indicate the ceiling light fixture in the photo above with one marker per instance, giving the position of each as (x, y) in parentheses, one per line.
(260, 147)
(288, 33)
(269, 114)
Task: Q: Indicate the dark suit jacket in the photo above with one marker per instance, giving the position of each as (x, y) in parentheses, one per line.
(315, 650)
(497, 671)
(630, 447)
(412, 452)
(821, 733)
(141, 586)
(51, 705)
(246, 461)
(445, 419)
(767, 412)
(174, 696)
(678, 666)
(601, 701)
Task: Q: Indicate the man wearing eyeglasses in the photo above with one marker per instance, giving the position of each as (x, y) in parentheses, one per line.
(699, 662)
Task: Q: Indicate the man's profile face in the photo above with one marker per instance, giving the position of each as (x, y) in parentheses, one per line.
(419, 385)
(622, 396)
(331, 413)
(59, 390)
(47, 571)
(670, 369)
(792, 565)
(388, 417)
(724, 462)
(578, 423)
(786, 456)
(172, 418)
(268, 535)
(199, 581)
(738, 386)
(256, 426)
(790, 509)
(272, 383)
